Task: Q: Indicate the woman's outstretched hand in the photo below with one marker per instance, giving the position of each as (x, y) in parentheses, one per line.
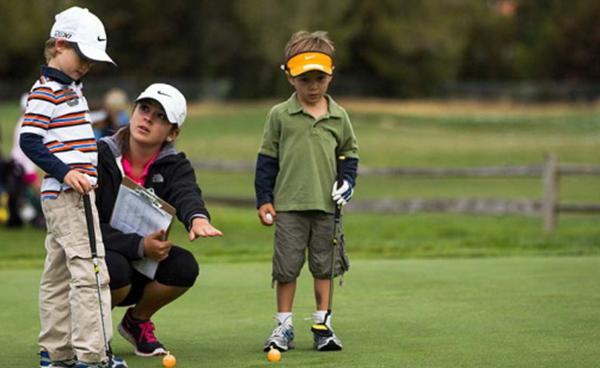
(201, 227)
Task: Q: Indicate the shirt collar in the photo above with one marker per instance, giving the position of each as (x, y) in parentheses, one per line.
(334, 109)
(57, 75)
(128, 169)
(294, 106)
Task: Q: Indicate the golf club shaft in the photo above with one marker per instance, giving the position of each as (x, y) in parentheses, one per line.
(89, 219)
(337, 218)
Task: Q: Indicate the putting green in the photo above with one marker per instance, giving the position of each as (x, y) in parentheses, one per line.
(503, 312)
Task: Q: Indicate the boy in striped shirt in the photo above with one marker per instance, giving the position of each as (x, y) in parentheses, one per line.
(56, 134)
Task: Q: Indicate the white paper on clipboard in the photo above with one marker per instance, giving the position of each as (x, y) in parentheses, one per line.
(138, 210)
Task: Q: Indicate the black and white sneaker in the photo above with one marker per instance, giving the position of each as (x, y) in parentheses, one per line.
(115, 362)
(45, 361)
(326, 340)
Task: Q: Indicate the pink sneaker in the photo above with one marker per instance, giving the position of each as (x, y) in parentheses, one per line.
(141, 335)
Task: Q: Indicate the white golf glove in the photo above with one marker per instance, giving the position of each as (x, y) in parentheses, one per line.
(342, 195)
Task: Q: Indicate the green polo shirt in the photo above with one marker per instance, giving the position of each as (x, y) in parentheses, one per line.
(306, 150)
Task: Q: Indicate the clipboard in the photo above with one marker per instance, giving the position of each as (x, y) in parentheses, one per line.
(139, 210)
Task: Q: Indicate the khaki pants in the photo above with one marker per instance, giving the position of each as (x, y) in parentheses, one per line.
(69, 306)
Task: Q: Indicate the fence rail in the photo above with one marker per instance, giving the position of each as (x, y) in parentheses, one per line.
(492, 171)
(489, 171)
(548, 208)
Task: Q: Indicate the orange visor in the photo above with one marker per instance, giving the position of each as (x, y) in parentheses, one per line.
(307, 61)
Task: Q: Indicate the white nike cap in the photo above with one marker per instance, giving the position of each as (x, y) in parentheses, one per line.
(80, 26)
(169, 97)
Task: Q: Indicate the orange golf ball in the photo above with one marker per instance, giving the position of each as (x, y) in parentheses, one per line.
(169, 361)
(273, 355)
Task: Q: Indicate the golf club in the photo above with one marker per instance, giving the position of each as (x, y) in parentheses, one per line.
(321, 328)
(89, 219)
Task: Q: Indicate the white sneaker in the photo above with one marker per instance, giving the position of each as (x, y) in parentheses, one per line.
(282, 338)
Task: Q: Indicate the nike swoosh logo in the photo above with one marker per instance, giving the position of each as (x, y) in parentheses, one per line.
(101, 39)
(162, 93)
(309, 57)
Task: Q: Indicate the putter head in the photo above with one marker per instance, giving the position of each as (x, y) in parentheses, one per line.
(321, 329)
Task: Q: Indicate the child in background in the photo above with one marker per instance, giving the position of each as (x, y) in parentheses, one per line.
(116, 104)
(30, 175)
(295, 172)
(56, 134)
(113, 115)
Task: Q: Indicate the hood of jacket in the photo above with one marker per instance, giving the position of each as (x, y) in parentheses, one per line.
(115, 147)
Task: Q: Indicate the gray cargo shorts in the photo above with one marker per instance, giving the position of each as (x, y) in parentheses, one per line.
(297, 231)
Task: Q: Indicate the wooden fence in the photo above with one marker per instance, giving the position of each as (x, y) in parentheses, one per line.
(550, 172)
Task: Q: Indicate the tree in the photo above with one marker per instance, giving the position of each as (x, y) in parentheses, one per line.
(411, 47)
(383, 47)
(26, 27)
(570, 42)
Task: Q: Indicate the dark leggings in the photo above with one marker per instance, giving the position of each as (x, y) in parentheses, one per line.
(179, 269)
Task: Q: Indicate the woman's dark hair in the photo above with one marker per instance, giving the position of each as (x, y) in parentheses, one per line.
(123, 139)
(124, 134)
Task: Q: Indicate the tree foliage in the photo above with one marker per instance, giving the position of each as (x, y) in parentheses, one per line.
(393, 47)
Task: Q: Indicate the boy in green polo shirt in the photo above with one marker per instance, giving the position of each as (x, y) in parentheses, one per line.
(295, 173)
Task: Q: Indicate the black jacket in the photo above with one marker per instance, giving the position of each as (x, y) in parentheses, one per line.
(171, 176)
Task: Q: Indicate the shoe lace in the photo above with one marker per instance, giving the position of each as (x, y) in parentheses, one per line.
(279, 331)
(147, 331)
(283, 330)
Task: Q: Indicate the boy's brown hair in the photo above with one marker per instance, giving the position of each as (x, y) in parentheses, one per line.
(303, 41)
(50, 48)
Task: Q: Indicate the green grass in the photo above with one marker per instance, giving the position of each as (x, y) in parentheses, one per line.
(453, 290)
(572, 188)
(473, 137)
(368, 236)
(514, 312)
(439, 135)
(478, 138)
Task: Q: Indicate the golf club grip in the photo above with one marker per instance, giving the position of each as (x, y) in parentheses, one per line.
(341, 160)
(89, 219)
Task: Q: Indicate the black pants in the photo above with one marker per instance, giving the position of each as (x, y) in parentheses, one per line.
(178, 269)
(12, 178)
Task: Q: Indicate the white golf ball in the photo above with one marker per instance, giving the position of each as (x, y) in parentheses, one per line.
(269, 218)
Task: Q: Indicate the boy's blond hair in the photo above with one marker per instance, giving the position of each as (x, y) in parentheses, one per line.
(303, 41)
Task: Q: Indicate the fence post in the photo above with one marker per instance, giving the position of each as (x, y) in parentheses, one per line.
(550, 177)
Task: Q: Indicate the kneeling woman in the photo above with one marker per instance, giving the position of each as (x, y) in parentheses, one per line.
(144, 152)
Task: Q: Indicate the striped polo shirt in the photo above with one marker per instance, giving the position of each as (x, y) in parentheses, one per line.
(58, 112)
